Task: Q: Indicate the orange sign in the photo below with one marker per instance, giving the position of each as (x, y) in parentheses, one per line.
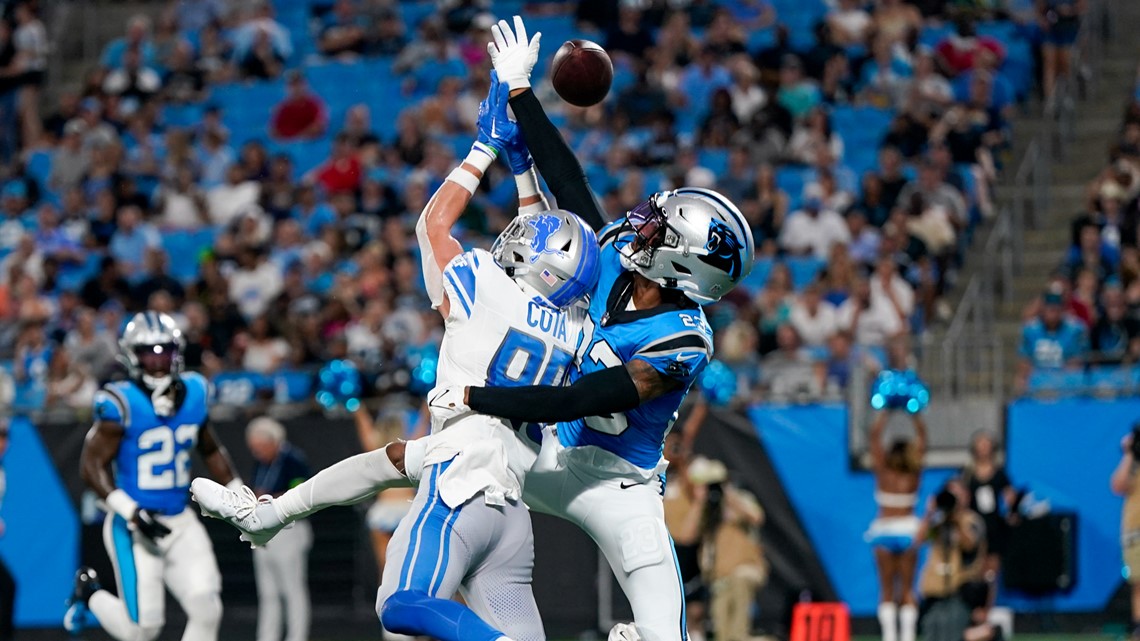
(821, 622)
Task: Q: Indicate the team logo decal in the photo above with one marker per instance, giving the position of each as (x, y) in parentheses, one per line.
(544, 226)
(724, 250)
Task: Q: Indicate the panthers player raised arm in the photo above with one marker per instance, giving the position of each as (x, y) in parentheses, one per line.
(645, 342)
(512, 316)
(137, 460)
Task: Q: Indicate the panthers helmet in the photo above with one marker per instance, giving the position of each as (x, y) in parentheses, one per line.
(151, 347)
(690, 239)
(553, 252)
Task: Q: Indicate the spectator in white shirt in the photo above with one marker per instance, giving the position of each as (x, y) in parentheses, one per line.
(872, 321)
(849, 23)
(255, 283)
(180, 202)
(265, 352)
(865, 239)
(228, 200)
(813, 230)
(813, 318)
(813, 142)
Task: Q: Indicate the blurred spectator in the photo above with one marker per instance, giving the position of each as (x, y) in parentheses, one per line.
(865, 239)
(302, 115)
(91, 346)
(254, 283)
(25, 260)
(132, 82)
(69, 384)
(69, 163)
(850, 23)
(992, 496)
(774, 304)
(813, 318)
(345, 32)
(788, 372)
(132, 238)
(391, 505)
(214, 157)
(227, 202)
(631, 36)
(798, 94)
(194, 15)
(30, 41)
(896, 20)
(179, 202)
(1051, 341)
(155, 277)
(738, 568)
(871, 319)
(262, 44)
(107, 284)
(813, 142)
(136, 39)
(388, 37)
(281, 569)
(958, 52)
(183, 80)
(936, 192)
(32, 358)
(7, 582)
(826, 189)
(684, 516)
(813, 230)
(1115, 338)
(765, 206)
(1061, 22)
(341, 171)
(263, 351)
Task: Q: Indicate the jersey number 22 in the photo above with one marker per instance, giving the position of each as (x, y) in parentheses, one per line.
(172, 453)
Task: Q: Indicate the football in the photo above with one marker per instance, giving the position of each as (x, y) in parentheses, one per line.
(581, 72)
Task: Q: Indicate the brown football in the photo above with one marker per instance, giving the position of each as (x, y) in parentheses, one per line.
(581, 72)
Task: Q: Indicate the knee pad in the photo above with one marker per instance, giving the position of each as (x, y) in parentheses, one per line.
(204, 609)
(395, 611)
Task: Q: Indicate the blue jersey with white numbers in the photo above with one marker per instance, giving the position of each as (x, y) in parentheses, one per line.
(153, 463)
(674, 338)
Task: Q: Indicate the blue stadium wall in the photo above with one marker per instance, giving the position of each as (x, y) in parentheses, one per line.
(1063, 451)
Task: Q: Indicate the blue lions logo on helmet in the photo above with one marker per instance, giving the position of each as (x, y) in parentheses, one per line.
(544, 226)
(724, 249)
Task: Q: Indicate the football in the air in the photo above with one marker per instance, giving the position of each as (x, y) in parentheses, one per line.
(581, 72)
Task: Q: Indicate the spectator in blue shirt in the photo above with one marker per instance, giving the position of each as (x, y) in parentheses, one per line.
(1051, 341)
(137, 39)
(131, 239)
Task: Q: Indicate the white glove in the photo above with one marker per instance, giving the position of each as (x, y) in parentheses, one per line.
(445, 404)
(512, 54)
(624, 632)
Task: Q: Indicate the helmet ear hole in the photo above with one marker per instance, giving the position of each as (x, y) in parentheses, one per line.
(681, 269)
(566, 246)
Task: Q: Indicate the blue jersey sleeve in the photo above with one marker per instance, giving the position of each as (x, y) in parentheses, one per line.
(111, 406)
(682, 351)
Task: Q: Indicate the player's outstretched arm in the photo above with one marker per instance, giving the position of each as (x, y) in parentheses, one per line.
(608, 391)
(433, 230)
(514, 56)
(216, 458)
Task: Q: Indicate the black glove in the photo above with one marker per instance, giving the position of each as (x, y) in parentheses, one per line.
(147, 525)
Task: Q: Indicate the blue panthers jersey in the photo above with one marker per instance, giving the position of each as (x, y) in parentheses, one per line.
(153, 463)
(674, 338)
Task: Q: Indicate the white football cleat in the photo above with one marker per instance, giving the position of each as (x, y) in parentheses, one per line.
(624, 632)
(255, 517)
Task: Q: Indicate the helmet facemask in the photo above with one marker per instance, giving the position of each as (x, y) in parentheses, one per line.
(650, 226)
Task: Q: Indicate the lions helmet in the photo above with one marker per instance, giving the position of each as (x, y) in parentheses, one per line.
(151, 347)
(553, 252)
(689, 239)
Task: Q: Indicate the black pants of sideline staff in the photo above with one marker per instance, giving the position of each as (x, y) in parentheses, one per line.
(7, 603)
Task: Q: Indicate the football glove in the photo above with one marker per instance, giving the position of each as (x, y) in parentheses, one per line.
(512, 54)
(445, 404)
(495, 131)
(147, 524)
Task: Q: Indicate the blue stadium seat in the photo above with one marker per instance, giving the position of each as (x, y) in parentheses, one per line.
(306, 154)
(39, 167)
(716, 160)
(758, 277)
(182, 115)
(185, 248)
(793, 179)
(293, 386)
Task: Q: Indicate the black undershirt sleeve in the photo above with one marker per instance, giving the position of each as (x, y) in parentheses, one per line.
(556, 161)
(604, 392)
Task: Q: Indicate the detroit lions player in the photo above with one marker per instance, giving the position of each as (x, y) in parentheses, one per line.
(512, 317)
(645, 343)
(137, 459)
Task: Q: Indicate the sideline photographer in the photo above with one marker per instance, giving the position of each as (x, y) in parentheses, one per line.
(1124, 484)
(957, 538)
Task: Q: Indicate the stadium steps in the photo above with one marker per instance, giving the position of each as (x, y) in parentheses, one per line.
(1098, 119)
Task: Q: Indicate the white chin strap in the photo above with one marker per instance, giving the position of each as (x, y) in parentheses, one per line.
(163, 403)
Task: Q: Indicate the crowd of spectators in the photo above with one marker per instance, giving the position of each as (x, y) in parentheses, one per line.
(1087, 319)
(105, 203)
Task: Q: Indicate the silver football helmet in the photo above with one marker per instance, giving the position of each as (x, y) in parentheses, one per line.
(553, 252)
(690, 239)
(151, 347)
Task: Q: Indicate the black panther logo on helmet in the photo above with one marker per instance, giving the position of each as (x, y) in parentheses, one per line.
(724, 249)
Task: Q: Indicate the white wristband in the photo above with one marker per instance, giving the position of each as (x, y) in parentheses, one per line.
(527, 183)
(235, 484)
(464, 179)
(481, 156)
(122, 504)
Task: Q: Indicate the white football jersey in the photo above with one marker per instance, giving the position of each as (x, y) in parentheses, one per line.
(499, 335)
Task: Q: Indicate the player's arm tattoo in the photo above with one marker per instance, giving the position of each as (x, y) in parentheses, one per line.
(99, 450)
(649, 382)
(215, 456)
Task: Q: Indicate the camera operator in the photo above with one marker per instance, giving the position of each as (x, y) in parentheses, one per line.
(1124, 484)
(684, 513)
(731, 555)
(957, 538)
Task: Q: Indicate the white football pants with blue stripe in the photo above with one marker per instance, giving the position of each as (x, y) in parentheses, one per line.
(626, 519)
(482, 551)
(182, 561)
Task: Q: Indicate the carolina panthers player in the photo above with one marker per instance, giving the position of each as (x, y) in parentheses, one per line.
(137, 459)
(512, 317)
(645, 343)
